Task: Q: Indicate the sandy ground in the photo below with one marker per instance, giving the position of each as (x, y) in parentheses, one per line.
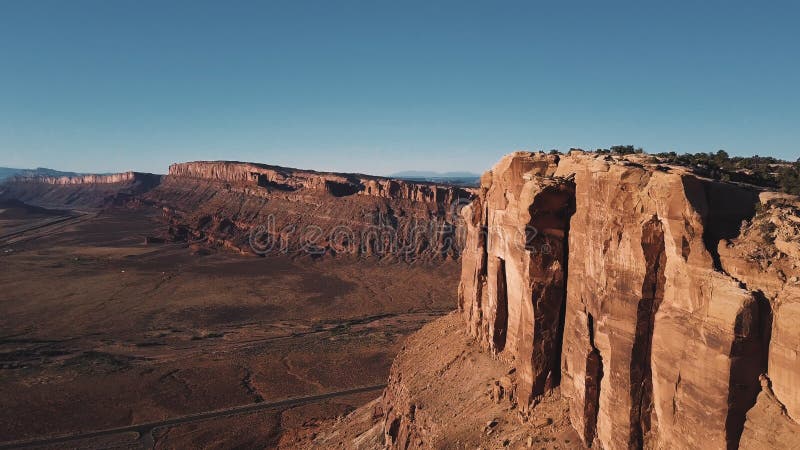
(99, 330)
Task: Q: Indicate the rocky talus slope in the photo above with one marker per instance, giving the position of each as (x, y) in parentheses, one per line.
(659, 309)
(445, 391)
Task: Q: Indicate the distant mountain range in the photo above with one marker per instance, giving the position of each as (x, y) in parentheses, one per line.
(431, 174)
(454, 178)
(8, 172)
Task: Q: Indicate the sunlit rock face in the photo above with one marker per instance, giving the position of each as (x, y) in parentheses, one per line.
(645, 309)
(124, 177)
(250, 207)
(514, 267)
(658, 340)
(765, 257)
(285, 179)
(83, 191)
(312, 213)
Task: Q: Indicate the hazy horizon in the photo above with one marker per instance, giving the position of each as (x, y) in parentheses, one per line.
(378, 88)
(413, 172)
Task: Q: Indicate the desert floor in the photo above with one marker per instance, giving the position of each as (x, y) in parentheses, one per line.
(99, 330)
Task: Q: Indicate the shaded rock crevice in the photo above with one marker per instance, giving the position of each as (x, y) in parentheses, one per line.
(653, 247)
(748, 363)
(723, 208)
(499, 329)
(541, 327)
(513, 284)
(594, 377)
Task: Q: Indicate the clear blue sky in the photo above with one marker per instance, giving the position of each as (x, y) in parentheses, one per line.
(380, 86)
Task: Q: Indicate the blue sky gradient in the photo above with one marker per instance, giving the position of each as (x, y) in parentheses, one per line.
(379, 86)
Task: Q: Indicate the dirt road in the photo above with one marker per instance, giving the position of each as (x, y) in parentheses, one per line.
(145, 430)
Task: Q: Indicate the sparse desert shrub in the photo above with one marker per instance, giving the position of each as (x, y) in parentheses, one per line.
(758, 170)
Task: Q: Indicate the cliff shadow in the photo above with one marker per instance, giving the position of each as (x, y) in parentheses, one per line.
(342, 189)
(542, 307)
(594, 377)
(723, 207)
(501, 314)
(749, 358)
(641, 375)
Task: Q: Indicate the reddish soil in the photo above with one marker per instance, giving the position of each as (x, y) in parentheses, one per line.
(450, 385)
(100, 330)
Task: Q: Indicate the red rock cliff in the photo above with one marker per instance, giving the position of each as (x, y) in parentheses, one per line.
(630, 286)
(85, 191)
(272, 209)
(307, 212)
(124, 177)
(287, 179)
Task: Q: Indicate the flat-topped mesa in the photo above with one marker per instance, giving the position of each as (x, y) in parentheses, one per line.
(307, 212)
(339, 185)
(82, 191)
(123, 177)
(614, 278)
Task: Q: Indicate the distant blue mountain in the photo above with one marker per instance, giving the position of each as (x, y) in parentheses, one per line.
(453, 178)
(8, 172)
(431, 174)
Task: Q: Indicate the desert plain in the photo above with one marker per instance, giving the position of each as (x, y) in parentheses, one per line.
(103, 328)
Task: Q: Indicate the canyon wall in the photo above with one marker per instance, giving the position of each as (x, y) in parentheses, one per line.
(631, 287)
(124, 177)
(274, 210)
(85, 191)
(335, 184)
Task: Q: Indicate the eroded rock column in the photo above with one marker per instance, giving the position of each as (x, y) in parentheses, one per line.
(512, 290)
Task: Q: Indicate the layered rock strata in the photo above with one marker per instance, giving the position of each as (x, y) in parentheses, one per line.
(514, 267)
(765, 258)
(124, 177)
(627, 283)
(273, 209)
(276, 178)
(85, 191)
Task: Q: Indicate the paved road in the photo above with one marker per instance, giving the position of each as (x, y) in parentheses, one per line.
(145, 430)
(42, 228)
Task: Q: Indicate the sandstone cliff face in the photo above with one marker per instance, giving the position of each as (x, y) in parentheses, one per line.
(765, 258)
(276, 209)
(86, 191)
(768, 425)
(124, 177)
(335, 184)
(515, 265)
(269, 209)
(655, 333)
(625, 283)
